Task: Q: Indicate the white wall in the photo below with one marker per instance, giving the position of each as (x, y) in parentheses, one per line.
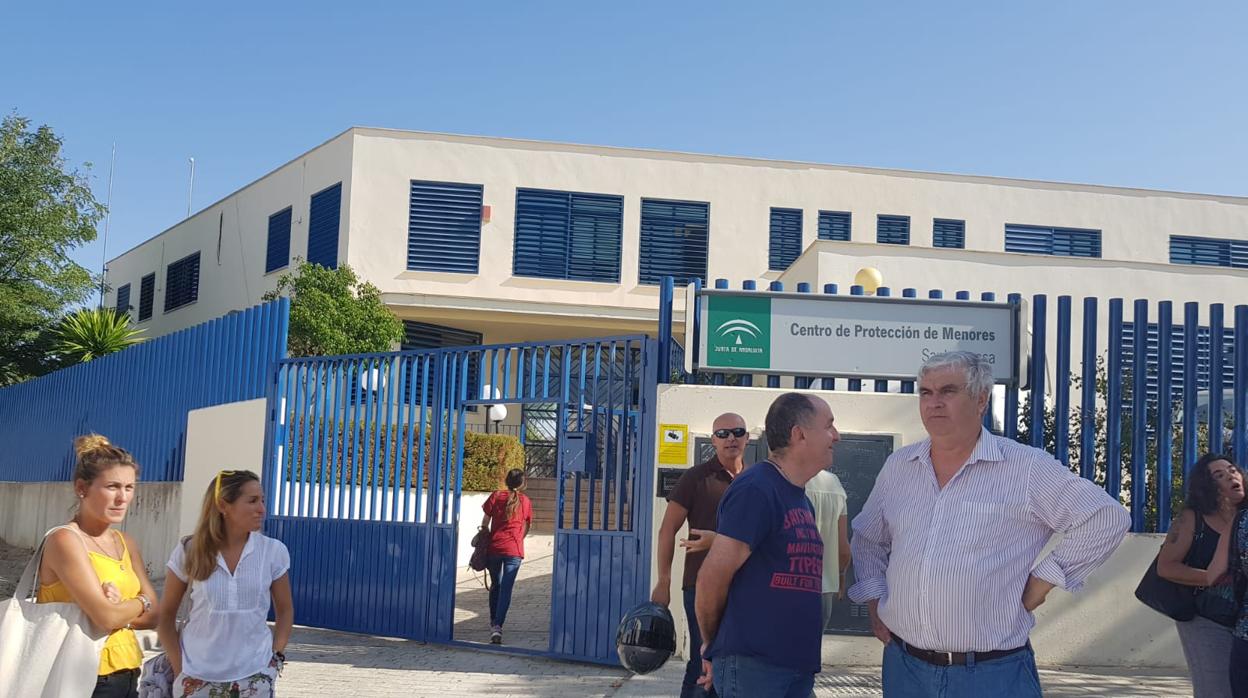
(1102, 625)
(223, 437)
(1136, 224)
(29, 509)
(239, 225)
(376, 167)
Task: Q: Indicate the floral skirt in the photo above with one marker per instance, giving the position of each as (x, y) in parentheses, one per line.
(255, 686)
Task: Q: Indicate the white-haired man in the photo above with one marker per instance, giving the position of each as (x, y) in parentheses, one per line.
(944, 547)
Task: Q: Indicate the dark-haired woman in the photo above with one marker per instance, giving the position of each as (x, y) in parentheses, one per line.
(1196, 554)
(233, 572)
(508, 516)
(91, 564)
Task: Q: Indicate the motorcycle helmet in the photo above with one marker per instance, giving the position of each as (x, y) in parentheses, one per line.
(646, 638)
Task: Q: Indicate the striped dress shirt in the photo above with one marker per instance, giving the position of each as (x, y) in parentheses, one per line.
(949, 565)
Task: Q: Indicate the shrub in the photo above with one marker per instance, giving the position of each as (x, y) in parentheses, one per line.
(487, 458)
(358, 454)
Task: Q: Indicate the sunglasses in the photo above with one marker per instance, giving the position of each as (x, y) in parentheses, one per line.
(217, 493)
(725, 433)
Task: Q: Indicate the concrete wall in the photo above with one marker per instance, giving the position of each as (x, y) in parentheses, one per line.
(1102, 625)
(222, 437)
(29, 509)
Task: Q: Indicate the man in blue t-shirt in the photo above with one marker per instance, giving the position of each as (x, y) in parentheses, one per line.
(759, 592)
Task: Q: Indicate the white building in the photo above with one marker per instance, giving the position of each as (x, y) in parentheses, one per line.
(486, 239)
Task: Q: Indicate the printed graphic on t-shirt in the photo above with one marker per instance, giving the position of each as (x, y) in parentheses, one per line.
(805, 554)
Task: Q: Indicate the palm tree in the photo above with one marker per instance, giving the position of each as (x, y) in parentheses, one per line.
(92, 333)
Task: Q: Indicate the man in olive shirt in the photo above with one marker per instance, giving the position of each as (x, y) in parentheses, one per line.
(696, 498)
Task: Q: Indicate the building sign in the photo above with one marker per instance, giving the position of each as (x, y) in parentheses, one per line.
(857, 336)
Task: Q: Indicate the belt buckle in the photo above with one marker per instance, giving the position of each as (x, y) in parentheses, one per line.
(948, 658)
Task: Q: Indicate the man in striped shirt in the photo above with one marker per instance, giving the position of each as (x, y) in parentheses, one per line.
(945, 547)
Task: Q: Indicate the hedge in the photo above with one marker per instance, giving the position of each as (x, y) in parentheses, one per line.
(486, 457)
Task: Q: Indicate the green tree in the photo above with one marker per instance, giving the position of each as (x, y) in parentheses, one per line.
(92, 333)
(333, 312)
(46, 211)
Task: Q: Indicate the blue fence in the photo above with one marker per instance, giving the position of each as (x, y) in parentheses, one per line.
(365, 458)
(139, 397)
(1137, 432)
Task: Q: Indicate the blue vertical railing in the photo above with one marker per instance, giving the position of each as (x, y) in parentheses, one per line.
(1148, 412)
(139, 397)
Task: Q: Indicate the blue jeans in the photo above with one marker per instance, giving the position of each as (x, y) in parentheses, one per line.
(746, 677)
(503, 572)
(1013, 676)
(1239, 668)
(689, 687)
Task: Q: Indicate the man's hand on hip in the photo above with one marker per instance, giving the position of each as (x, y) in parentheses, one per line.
(1035, 592)
(880, 630)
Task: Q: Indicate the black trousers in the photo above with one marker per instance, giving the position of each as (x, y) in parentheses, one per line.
(119, 684)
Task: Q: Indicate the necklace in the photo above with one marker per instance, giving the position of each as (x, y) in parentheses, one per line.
(115, 557)
(781, 471)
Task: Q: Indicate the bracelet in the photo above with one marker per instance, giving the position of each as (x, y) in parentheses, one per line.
(147, 604)
(281, 657)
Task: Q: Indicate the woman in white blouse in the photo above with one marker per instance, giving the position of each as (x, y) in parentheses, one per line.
(232, 571)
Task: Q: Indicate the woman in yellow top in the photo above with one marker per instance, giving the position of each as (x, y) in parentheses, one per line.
(99, 568)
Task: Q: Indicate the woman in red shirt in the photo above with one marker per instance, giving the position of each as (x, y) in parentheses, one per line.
(508, 515)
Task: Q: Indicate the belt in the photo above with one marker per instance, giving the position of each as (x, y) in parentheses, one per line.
(954, 658)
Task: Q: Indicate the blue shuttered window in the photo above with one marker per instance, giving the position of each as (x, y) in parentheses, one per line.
(424, 335)
(277, 253)
(786, 238)
(1214, 252)
(568, 235)
(834, 225)
(182, 282)
(147, 294)
(123, 299)
(323, 222)
(1060, 242)
(892, 230)
(948, 233)
(444, 227)
(1204, 361)
(674, 240)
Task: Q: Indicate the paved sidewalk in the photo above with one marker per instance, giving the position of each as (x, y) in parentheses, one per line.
(528, 619)
(330, 663)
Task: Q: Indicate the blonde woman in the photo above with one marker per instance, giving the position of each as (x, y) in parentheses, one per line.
(90, 563)
(232, 572)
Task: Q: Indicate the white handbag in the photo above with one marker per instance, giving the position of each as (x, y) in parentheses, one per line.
(49, 650)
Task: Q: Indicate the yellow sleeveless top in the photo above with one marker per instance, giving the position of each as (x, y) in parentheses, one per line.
(121, 650)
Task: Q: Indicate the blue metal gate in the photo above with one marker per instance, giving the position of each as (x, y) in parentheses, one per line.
(365, 466)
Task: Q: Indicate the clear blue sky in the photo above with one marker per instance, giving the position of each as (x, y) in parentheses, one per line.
(1147, 94)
